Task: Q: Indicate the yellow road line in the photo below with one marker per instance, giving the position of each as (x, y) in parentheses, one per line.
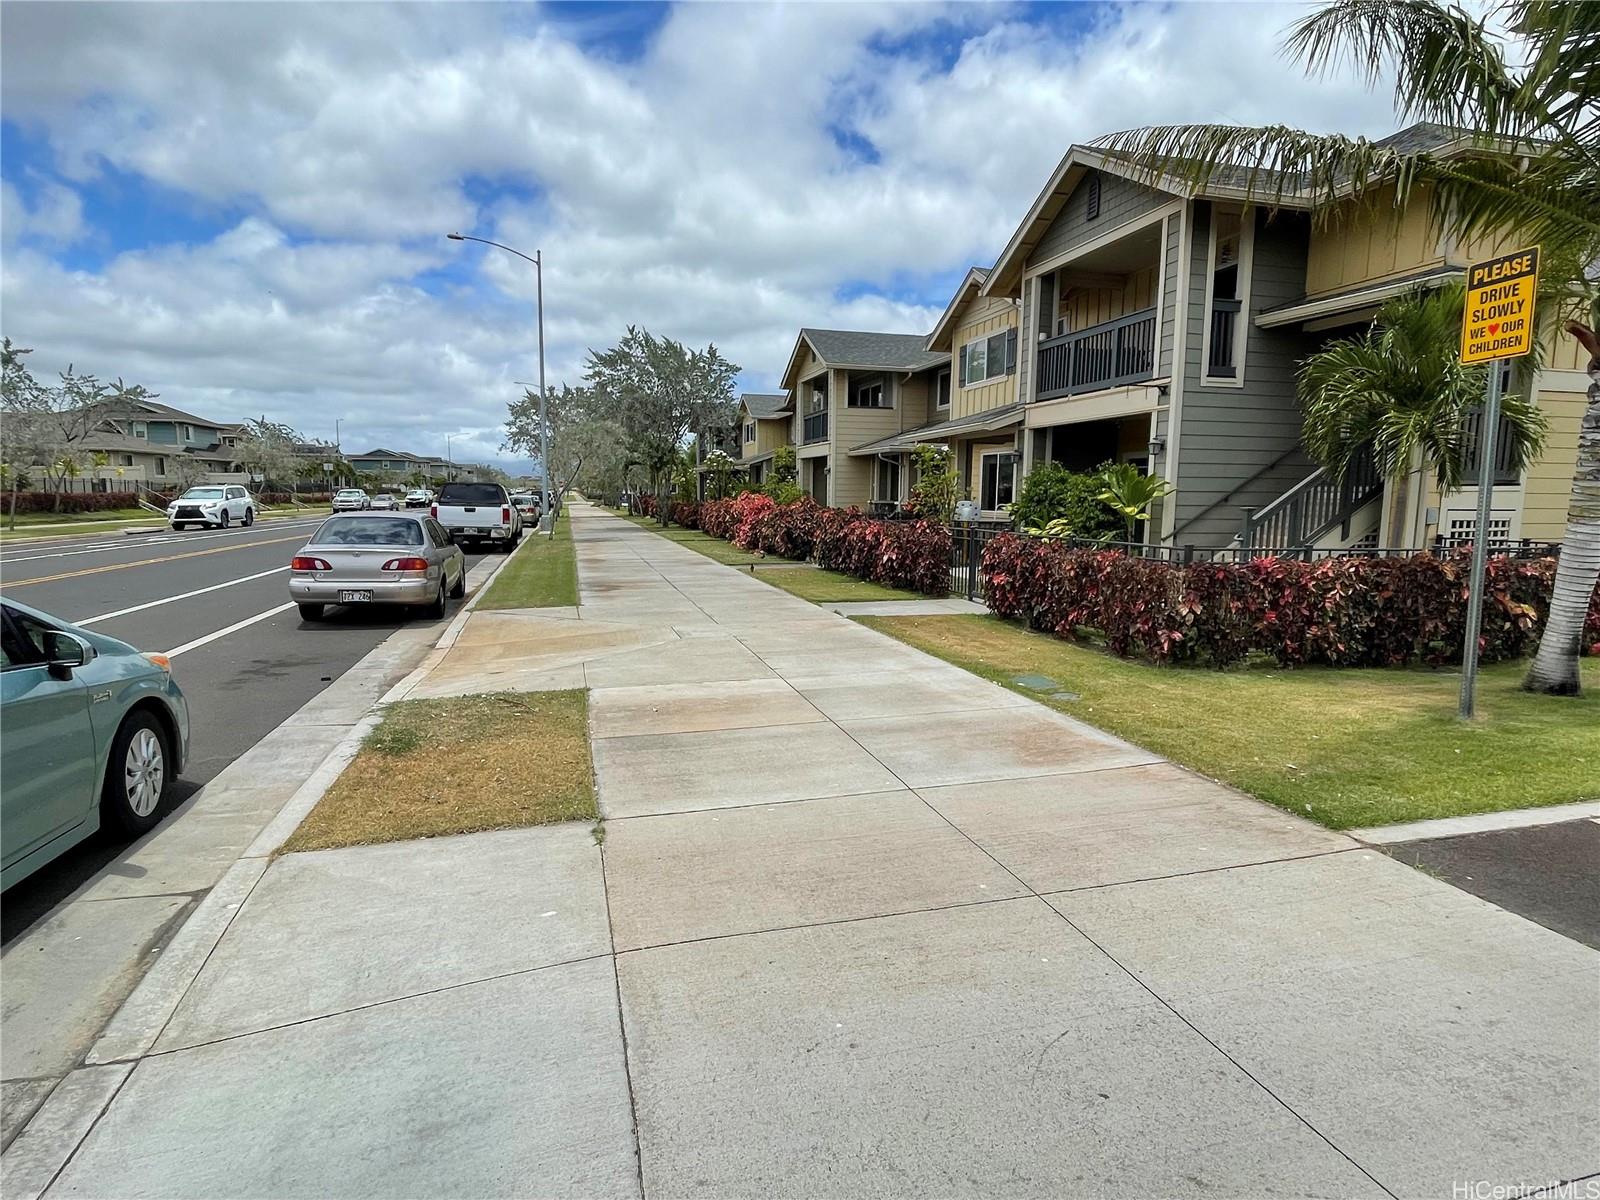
(147, 562)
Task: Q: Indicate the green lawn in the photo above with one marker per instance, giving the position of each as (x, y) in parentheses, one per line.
(541, 574)
(703, 543)
(829, 587)
(1348, 748)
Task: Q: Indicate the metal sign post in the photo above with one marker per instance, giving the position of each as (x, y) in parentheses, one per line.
(1497, 323)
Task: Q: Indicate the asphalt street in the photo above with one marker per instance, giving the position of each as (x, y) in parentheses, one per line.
(217, 602)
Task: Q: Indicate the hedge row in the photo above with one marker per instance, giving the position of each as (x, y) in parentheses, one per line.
(1337, 611)
(69, 502)
(914, 555)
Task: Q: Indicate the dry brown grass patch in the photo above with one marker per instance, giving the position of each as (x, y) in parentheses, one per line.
(460, 765)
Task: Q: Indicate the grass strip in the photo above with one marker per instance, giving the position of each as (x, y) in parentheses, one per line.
(832, 587)
(1348, 748)
(460, 765)
(543, 573)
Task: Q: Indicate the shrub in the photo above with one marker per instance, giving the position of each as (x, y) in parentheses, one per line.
(1053, 493)
(686, 513)
(717, 517)
(68, 502)
(748, 511)
(1332, 612)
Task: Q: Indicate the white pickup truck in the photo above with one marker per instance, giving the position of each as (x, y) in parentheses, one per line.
(478, 512)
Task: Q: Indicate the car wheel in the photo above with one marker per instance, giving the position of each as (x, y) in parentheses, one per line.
(249, 518)
(222, 519)
(310, 612)
(460, 588)
(138, 775)
(179, 528)
(439, 607)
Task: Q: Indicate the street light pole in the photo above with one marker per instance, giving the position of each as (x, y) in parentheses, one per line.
(546, 521)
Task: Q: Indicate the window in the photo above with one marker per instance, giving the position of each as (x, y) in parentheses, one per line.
(140, 429)
(127, 460)
(999, 480)
(369, 531)
(869, 393)
(941, 389)
(817, 396)
(1092, 205)
(749, 431)
(1225, 329)
(487, 494)
(989, 358)
(886, 479)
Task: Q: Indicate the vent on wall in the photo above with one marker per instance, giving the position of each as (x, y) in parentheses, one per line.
(1094, 198)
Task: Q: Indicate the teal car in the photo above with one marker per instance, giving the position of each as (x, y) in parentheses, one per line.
(92, 735)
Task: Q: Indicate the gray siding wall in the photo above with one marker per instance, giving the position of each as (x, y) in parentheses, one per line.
(1027, 344)
(1172, 276)
(1120, 200)
(1229, 434)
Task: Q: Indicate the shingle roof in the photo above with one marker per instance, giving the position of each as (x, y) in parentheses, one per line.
(380, 452)
(765, 404)
(892, 351)
(938, 431)
(165, 412)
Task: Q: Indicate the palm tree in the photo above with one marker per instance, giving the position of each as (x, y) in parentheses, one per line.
(1401, 389)
(1530, 109)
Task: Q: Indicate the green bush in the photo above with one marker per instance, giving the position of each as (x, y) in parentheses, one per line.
(1053, 493)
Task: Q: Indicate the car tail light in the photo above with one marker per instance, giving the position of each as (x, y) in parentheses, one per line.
(505, 516)
(301, 563)
(406, 564)
(433, 511)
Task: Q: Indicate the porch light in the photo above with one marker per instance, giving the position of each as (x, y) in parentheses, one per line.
(1157, 445)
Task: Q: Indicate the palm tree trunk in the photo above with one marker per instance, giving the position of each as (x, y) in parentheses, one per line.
(1555, 666)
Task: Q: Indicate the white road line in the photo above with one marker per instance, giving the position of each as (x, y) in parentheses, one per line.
(234, 628)
(122, 612)
(159, 540)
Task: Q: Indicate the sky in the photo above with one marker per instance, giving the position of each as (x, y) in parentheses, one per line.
(243, 206)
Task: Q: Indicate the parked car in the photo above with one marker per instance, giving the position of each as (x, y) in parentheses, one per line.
(92, 735)
(478, 512)
(527, 503)
(215, 505)
(419, 498)
(351, 500)
(384, 502)
(377, 558)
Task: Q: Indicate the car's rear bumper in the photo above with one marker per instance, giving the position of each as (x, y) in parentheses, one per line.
(494, 533)
(306, 590)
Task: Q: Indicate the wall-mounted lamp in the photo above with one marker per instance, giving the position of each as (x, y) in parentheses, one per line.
(1157, 445)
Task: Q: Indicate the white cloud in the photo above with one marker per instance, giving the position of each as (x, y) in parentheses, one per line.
(697, 190)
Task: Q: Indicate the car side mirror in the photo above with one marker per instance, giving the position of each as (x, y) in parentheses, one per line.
(64, 652)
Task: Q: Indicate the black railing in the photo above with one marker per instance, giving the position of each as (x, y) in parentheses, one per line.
(816, 427)
(1504, 473)
(1101, 356)
(1224, 322)
(967, 542)
(1313, 506)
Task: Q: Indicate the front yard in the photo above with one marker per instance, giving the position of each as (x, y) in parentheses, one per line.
(1347, 748)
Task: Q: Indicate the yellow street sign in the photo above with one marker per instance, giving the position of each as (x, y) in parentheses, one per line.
(1498, 321)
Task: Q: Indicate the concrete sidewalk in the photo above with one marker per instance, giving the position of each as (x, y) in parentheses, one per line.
(863, 924)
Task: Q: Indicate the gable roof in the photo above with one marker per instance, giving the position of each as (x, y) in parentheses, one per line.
(974, 279)
(863, 351)
(380, 452)
(150, 409)
(765, 405)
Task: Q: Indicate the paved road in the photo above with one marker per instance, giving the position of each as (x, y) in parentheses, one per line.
(217, 601)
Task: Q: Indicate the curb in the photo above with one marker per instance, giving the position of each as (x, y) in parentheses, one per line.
(1489, 822)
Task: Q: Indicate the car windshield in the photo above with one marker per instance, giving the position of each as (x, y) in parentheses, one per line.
(471, 493)
(202, 494)
(349, 494)
(522, 497)
(369, 531)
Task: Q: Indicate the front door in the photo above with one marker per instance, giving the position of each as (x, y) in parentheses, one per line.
(47, 750)
(819, 480)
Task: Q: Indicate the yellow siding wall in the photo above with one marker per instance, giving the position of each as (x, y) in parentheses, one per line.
(981, 317)
(1091, 305)
(1370, 240)
(1547, 487)
(770, 434)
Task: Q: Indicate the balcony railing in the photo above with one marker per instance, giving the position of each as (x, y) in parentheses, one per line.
(1101, 356)
(1224, 322)
(816, 427)
(1505, 474)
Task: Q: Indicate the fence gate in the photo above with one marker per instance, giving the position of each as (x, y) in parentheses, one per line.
(966, 552)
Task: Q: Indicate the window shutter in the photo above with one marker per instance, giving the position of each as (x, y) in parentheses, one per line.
(1011, 352)
(963, 364)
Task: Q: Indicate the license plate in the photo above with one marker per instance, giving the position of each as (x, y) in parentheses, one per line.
(362, 597)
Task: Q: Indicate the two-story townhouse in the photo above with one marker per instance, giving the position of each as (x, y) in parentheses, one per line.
(850, 389)
(1163, 324)
(765, 426)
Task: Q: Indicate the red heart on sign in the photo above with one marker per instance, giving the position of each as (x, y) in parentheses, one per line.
(1494, 328)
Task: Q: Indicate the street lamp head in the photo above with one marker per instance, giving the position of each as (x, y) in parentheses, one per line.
(455, 237)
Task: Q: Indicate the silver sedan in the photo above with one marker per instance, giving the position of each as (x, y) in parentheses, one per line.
(377, 558)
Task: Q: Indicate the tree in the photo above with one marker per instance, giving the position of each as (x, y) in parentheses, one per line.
(268, 448)
(1530, 110)
(661, 391)
(1400, 388)
(720, 471)
(1130, 493)
(938, 486)
(1065, 502)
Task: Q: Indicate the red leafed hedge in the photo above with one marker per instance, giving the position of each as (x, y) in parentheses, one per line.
(69, 502)
(686, 513)
(1335, 611)
(906, 554)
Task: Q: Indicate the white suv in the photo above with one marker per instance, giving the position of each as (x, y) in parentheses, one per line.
(351, 500)
(213, 504)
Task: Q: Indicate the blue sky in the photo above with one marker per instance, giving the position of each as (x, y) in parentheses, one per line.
(242, 206)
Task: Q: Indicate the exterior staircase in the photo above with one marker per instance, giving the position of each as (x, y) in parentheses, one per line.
(1318, 513)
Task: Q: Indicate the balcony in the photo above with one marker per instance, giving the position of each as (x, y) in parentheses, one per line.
(815, 428)
(1102, 356)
